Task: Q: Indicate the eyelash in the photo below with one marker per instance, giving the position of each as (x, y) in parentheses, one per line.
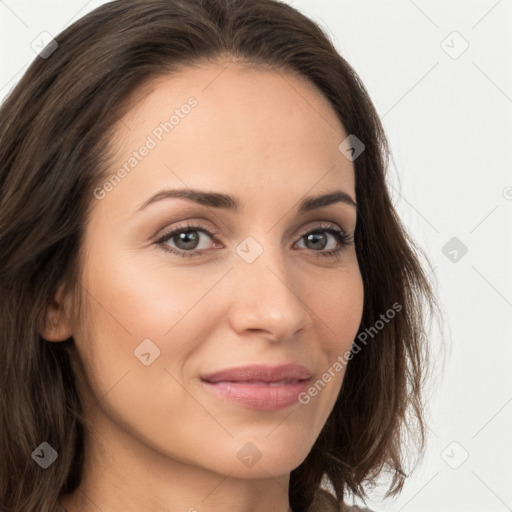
(343, 239)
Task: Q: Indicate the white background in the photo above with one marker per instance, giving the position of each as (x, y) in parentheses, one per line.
(449, 122)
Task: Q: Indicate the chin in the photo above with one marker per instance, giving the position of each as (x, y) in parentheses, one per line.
(267, 453)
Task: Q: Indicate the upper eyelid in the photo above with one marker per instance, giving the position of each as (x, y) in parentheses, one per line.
(341, 216)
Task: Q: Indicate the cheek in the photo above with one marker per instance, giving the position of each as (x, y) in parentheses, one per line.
(339, 307)
(144, 298)
(135, 309)
(338, 304)
(132, 300)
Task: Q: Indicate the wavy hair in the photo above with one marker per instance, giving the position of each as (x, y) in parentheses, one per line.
(55, 128)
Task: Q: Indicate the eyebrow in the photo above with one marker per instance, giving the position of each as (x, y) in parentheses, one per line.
(227, 202)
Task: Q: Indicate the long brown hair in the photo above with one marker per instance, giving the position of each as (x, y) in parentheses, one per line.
(55, 127)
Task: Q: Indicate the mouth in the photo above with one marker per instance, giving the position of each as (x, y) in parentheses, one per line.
(263, 388)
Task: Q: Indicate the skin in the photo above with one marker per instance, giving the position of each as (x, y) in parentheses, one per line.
(160, 441)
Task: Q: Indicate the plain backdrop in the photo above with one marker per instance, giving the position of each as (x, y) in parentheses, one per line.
(440, 76)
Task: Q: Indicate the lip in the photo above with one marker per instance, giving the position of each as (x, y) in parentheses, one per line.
(263, 373)
(259, 387)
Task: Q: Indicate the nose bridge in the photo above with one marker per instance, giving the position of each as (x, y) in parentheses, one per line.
(266, 297)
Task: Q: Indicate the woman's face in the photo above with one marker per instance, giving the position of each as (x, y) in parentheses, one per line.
(164, 331)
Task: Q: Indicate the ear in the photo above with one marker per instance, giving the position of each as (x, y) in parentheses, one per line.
(56, 321)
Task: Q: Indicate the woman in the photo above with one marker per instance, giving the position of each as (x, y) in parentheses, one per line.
(172, 339)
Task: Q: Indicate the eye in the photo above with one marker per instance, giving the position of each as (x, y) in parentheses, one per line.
(186, 240)
(317, 238)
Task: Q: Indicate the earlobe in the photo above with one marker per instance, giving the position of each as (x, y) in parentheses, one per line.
(56, 325)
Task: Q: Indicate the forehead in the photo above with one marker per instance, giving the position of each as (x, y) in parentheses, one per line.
(220, 124)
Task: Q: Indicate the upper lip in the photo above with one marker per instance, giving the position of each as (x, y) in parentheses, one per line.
(259, 373)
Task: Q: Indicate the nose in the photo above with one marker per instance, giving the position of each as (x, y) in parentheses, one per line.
(269, 296)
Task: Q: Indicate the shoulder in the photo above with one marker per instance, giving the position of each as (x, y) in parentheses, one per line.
(325, 502)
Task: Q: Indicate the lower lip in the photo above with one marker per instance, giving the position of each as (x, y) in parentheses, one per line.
(261, 397)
